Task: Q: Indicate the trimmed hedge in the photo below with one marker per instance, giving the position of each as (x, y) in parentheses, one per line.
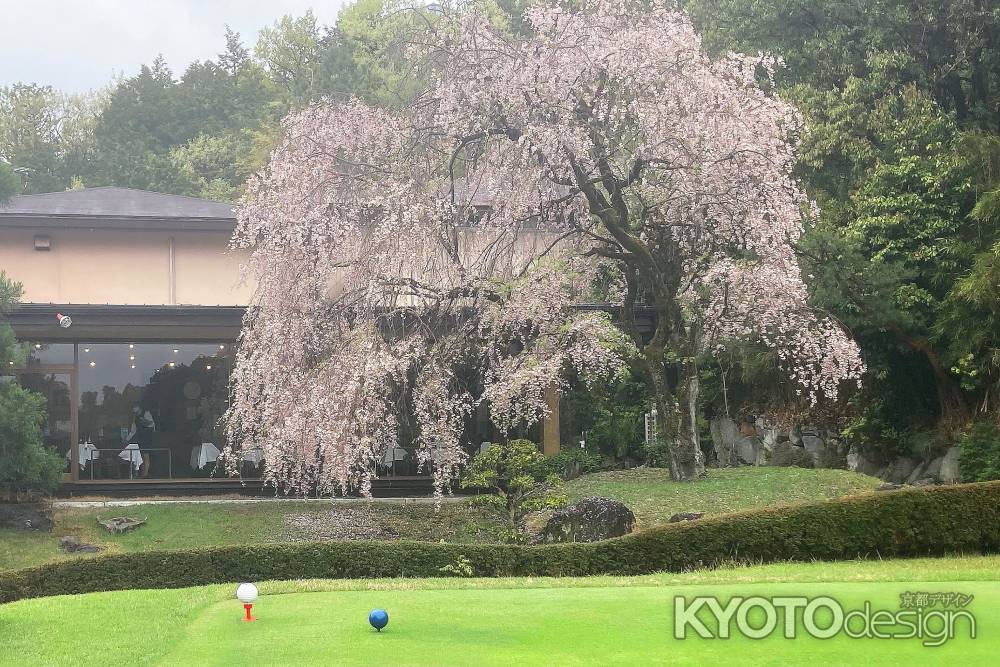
(909, 522)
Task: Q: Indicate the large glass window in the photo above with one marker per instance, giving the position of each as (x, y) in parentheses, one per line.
(162, 399)
(57, 427)
(60, 354)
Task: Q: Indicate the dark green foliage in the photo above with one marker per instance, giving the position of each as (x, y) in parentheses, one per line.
(611, 417)
(515, 473)
(587, 461)
(25, 464)
(912, 522)
(193, 136)
(952, 44)
(980, 458)
(10, 183)
(38, 132)
(901, 103)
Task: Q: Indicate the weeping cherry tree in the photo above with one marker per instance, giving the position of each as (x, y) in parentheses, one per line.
(399, 253)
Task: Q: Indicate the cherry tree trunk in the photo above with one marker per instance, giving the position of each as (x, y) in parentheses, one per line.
(677, 421)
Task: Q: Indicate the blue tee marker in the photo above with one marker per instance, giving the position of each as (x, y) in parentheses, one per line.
(379, 618)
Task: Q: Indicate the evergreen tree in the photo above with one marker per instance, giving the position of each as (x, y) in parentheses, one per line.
(25, 464)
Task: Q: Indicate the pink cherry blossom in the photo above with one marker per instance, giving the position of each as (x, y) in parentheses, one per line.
(396, 252)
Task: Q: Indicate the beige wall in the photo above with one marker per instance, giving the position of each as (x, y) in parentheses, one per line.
(128, 267)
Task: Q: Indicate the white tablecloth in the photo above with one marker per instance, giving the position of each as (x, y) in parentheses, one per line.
(252, 456)
(394, 454)
(203, 454)
(88, 452)
(131, 454)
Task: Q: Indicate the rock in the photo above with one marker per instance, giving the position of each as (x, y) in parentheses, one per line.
(736, 444)
(858, 462)
(749, 451)
(589, 520)
(933, 469)
(725, 432)
(786, 455)
(924, 481)
(918, 473)
(949, 472)
(899, 470)
(121, 524)
(26, 516)
(814, 445)
(73, 544)
(685, 516)
(888, 486)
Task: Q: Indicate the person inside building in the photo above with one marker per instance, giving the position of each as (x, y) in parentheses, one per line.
(141, 434)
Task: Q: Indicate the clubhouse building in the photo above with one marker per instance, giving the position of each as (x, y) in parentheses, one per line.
(132, 307)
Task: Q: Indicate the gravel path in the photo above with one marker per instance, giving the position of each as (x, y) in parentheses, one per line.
(344, 523)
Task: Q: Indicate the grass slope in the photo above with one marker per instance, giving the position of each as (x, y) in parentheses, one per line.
(649, 492)
(654, 497)
(193, 525)
(601, 620)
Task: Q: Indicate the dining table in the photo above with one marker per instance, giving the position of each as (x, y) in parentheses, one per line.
(203, 454)
(132, 456)
(88, 453)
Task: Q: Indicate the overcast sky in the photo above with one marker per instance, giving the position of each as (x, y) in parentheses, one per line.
(78, 45)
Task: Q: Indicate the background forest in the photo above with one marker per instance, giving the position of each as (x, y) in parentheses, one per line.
(900, 150)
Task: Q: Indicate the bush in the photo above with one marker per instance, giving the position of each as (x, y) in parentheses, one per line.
(25, 463)
(787, 455)
(980, 455)
(910, 522)
(514, 471)
(556, 465)
(611, 416)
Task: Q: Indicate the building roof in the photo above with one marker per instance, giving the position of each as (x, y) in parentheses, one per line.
(115, 203)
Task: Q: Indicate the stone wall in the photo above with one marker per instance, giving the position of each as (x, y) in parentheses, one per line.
(752, 443)
(907, 470)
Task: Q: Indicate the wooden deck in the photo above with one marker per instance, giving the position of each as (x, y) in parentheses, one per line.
(384, 487)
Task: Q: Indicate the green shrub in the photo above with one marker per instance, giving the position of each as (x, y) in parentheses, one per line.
(910, 522)
(556, 465)
(25, 463)
(514, 471)
(612, 416)
(980, 455)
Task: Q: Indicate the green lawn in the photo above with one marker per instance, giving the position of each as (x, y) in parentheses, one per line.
(654, 497)
(649, 492)
(192, 525)
(589, 621)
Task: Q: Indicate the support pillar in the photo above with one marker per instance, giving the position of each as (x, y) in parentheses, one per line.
(550, 425)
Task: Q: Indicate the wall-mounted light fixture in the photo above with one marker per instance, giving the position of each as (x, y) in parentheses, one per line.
(43, 242)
